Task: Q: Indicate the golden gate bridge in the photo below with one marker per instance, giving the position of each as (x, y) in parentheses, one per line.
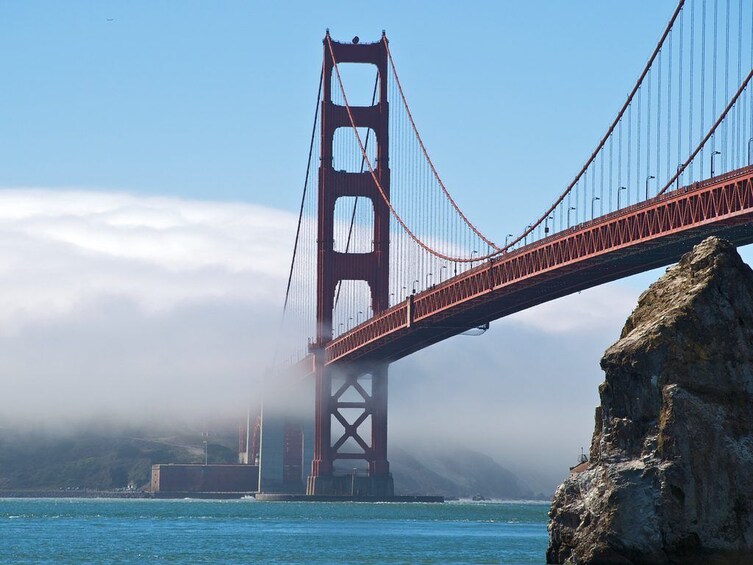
(385, 263)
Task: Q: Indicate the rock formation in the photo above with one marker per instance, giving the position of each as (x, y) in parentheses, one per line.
(670, 478)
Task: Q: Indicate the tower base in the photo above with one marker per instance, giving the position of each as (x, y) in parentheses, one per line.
(378, 486)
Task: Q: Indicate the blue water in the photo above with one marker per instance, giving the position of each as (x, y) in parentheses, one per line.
(245, 531)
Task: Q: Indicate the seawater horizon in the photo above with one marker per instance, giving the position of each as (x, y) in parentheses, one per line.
(84, 530)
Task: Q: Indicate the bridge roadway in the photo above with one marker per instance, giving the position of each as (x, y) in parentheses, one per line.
(634, 239)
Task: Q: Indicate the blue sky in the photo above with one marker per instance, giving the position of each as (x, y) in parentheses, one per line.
(213, 100)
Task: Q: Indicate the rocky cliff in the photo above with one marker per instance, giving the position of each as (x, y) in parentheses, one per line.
(670, 478)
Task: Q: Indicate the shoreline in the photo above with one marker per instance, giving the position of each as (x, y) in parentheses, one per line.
(145, 495)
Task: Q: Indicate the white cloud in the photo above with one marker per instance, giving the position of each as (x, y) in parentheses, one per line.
(121, 303)
(62, 248)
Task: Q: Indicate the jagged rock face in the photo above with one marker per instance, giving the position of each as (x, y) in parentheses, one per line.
(671, 472)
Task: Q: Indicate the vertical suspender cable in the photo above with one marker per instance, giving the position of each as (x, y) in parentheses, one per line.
(300, 212)
(680, 90)
(639, 101)
(726, 152)
(714, 127)
(737, 127)
(629, 152)
(619, 166)
(658, 115)
(648, 129)
(611, 176)
(713, 79)
(703, 80)
(692, 84)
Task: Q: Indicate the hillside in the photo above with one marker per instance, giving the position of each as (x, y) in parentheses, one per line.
(458, 472)
(95, 459)
(101, 458)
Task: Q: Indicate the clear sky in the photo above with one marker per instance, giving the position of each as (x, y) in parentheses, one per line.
(214, 99)
(165, 143)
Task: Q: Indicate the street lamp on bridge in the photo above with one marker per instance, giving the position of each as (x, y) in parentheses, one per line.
(568, 215)
(648, 178)
(428, 276)
(508, 236)
(750, 159)
(472, 252)
(441, 278)
(414, 285)
(715, 153)
(593, 201)
(525, 237)
(619, 192)
(546, 224)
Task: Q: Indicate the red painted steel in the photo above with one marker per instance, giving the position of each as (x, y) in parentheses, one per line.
(631, 240)
(334, 267)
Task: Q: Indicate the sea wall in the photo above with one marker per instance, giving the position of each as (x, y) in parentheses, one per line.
(204, 478)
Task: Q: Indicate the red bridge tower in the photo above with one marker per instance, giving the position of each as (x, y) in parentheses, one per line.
(365, 387)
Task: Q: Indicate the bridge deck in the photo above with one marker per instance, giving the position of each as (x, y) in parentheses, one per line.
(635, 239)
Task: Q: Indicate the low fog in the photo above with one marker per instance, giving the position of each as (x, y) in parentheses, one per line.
(133, 307)
(141, 309)
(524, 392)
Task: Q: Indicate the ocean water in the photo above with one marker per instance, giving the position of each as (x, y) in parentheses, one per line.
(246, 531)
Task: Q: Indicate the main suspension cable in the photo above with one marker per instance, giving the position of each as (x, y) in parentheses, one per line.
(426, 154)
(531, 227)
(710, 133)
(378, 184)
(611, 129)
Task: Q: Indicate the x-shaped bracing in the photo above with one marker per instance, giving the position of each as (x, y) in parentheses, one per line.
(351, 430)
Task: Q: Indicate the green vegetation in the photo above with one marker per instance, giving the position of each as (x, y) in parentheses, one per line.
(98, 460)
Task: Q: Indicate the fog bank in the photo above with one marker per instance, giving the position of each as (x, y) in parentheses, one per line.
(121, 306)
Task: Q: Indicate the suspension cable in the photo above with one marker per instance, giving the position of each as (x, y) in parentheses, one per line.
(611, 129)
(531, 227)
(426, 154)
(378, 184)
(710, 133)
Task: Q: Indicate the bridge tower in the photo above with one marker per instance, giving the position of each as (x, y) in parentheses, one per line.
(367, 383)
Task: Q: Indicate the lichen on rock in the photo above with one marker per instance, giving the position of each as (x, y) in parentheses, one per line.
(670, 478)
